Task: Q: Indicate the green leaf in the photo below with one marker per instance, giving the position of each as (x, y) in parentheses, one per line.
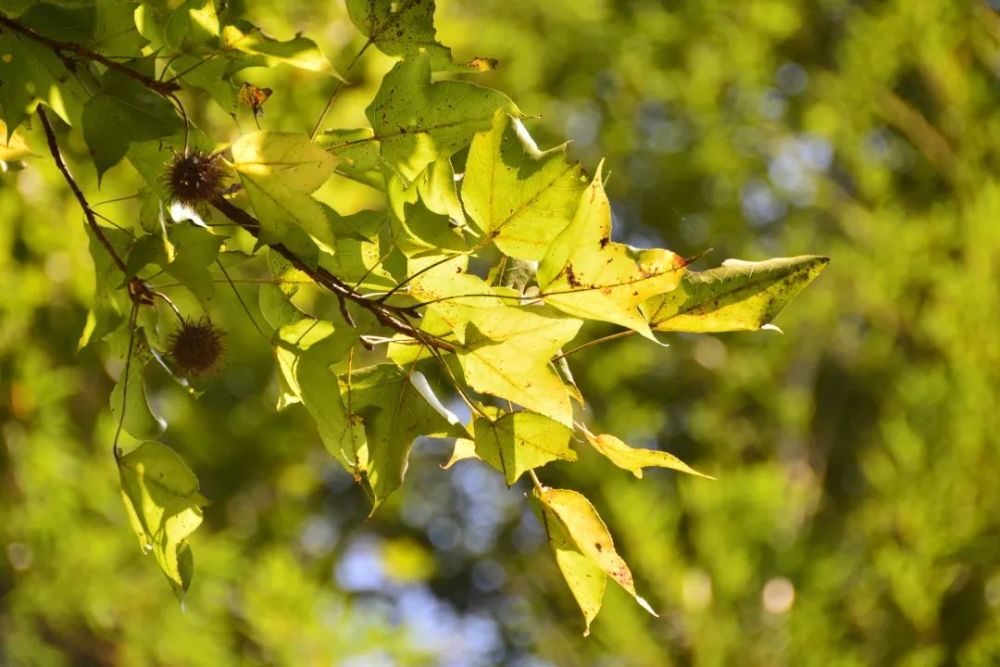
(32, 73)
(402, 28)
(140, 421)
(106, 131)
(586, 274)
(192, 25)
(633, 459)
(279, 170)
(196, 248)
(427, 215)
(584, 548)
(306, 351)
(110, 303)
(150, 116)
(453, 294)
(298, 52)
(385, 401)
(520, 441)
(506, 353)
(164, 507)
(275, 298)
(357, 257)
(418, 122)
(114, 28)
(517, 195)
(738, 296)
(359, 153)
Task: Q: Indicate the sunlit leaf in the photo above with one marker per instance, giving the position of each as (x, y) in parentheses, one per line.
(393, 412)
(506, 353)
(588, 275)
(635, 459)
(403, 28)
(306, 351)
(193, 24)
(519, 441)
(298, 52)
(585, 578)
(738, 296)
(279, 170)
(427, 215)
(582, 528)
(32, 73)
(417, 121)
(359, 154)
(519, 196)
(164, 507)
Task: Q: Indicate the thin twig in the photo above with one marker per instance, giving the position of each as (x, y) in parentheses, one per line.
(160, 87)
(389, 316)
(336, 91)
(596, 341)
(88, 212)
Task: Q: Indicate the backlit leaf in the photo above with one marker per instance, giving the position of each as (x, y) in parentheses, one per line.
(417, 121)
(738, 296)
(635, 459)
(517, 195)
(164, 507)
(139, 419)
(588, 275)
(520, 441)
(583, 528)
(279, 170)
(393, 412)
(306, 351)
(506, 353)
(402, 28)
(298, 52)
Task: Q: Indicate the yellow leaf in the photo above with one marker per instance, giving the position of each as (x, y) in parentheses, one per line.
(633, 459)
(586, 274)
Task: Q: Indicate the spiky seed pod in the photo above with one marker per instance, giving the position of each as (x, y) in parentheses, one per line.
(196, 348)
(194, 177)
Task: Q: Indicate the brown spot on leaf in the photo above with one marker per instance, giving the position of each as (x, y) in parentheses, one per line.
(571, 276)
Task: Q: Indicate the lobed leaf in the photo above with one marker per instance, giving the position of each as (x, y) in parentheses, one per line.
(306, 352)
(405, 28)
(392, 412)
(517, 195)
(586, 274)
(279, 170)
(266, 51)
(738, 296)
(520, 441)
(418, 121)
(506, 353)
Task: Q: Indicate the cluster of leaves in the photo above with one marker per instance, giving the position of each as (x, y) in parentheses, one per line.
(479, 273)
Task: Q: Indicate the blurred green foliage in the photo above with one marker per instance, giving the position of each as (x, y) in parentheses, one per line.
(855, 516)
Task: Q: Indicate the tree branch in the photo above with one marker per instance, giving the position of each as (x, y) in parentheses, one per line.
(61, 48)
(88, 213)
(389, 316)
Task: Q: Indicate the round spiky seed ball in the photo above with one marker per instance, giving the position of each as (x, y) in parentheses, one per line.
(194, 177)
(196, 348)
